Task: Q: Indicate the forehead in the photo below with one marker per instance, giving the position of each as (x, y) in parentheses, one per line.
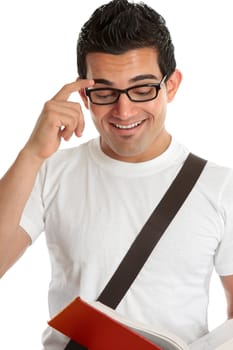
(123, 66)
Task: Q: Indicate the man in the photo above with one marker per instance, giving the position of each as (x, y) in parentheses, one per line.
(92, 200)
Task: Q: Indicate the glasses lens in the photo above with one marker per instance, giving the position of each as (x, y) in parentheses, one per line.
(103, 96)
(143, 93)
(138, 93)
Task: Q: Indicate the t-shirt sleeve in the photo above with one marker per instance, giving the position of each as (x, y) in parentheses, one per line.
(32, 220)
(224, 253)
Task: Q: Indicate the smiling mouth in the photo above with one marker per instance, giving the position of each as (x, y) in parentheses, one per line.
(129, 126)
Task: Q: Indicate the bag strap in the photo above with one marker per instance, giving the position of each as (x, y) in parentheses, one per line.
(152, 231)
(150, 234)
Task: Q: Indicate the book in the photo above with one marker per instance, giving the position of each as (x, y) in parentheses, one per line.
(226, 346)
(98, 327)
(220, 338)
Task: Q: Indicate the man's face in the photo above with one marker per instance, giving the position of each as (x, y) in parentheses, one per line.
(130, 131)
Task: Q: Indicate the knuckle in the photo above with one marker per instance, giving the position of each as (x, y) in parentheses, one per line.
(78, 107)
(66, 87)
(48, 105)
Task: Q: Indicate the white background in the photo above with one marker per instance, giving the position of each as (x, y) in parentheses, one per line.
(37, 57)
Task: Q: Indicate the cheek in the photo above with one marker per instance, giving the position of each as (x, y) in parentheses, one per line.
(98, 117)
(161, 106)
(157, 108)
(99, 113)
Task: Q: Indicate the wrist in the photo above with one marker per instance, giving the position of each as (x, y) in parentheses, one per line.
(30, 157)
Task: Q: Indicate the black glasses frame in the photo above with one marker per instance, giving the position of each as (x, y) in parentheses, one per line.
(157, 86)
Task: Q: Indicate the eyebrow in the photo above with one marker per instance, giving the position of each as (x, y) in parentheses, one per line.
(132, 80)
(143, 77)
(103, 81)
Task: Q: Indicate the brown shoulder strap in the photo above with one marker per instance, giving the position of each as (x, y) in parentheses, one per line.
(152, 231)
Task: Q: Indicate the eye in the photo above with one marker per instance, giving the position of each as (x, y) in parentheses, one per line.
(143, 90)
(103, 94)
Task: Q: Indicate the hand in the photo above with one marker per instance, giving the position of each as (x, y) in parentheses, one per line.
(59, 119)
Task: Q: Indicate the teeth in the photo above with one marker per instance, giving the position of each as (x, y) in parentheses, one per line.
(130, 126)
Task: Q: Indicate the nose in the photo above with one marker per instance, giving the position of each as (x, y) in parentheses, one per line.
(124, 107)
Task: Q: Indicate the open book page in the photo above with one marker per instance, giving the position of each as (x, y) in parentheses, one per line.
(227, 346)
(166, 342)
(218, 339)
(158, 336)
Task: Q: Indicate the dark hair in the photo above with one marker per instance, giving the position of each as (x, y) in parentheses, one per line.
(120, 26)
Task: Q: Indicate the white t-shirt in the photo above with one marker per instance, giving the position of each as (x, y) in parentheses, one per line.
(92, 207)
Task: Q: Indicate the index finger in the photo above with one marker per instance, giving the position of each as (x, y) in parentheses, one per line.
(68, 89)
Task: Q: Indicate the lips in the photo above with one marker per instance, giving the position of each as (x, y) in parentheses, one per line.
(128, 126)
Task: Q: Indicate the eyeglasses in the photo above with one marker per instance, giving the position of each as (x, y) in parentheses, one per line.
(137, 93)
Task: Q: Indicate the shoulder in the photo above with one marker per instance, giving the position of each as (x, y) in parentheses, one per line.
(218, 175)
(66, 162)
(216, 184)
(214, 174)
(67, 156)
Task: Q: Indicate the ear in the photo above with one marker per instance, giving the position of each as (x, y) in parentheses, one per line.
(173, 84)
(83, 95)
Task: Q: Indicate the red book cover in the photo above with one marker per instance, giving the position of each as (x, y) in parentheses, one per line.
(95, 330)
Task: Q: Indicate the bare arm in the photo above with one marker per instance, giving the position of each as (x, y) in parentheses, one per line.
(59, 119)
(227, 282)
(15, 188)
